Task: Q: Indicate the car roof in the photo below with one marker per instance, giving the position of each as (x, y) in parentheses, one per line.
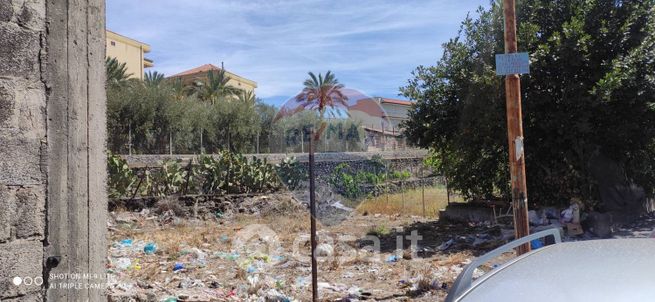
(595, 270)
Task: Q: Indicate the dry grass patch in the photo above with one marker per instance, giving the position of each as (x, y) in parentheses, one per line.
(410, 202)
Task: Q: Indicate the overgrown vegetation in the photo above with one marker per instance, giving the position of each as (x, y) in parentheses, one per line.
(291, 172)
(409, 202)
(147, 117)
(233, 173)
(590, 93)
(349, 182)
(121, 177)
(225, 173)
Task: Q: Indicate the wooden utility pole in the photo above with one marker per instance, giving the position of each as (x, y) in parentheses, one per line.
(515, 133)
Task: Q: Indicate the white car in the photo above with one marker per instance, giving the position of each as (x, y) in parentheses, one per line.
(608, 270)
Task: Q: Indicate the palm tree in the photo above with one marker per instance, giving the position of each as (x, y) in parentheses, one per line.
(322, 93)
(178, 90)
(153, 79)
(215, 87)
(116, 72)
(248, 98)
(319, 94)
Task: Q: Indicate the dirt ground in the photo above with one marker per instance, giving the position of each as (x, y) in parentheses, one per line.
(265, 257)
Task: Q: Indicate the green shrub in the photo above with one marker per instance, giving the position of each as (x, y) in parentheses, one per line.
(233, 173)
(228, 173)
(370, 178)
(378, 231)
(378, 164)
(291, 172)
(121, 177)
(400, 175)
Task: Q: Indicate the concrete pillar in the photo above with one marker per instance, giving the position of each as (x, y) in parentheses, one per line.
(77, 199)
(52, 141)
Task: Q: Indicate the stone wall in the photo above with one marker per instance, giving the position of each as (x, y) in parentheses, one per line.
(52, 154)
(22, 152)
(411, 161)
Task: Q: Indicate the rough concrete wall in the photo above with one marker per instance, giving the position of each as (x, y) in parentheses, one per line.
(22, 146)
(76, 130)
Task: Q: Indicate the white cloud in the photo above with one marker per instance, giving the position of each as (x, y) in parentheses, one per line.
(370, 45)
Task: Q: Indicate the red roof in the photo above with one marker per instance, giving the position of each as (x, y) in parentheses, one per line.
(395, 101)
(202, 68)
(368, 106)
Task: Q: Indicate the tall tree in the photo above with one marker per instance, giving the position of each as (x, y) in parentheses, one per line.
(215, 87)
(178, 89)
(153, 79)
(247, 97)
(320, 94)
(116, 72)
(590, 93)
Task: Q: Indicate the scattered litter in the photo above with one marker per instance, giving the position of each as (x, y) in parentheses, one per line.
(126, 242)
(279, 284)
(208, 268)
(392, 258)
(136, 265)
(190, 283)
(272, 295)
(123, 263)
(150, 248)
(567, 215)
(301, 282)
(324, 250)
(446, 245)
(551, 213)
(251, 269)
(537, 217)
(178, 266)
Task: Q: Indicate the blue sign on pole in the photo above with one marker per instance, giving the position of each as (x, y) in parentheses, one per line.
(512, 63)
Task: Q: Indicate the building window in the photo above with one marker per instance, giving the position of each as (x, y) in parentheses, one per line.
(113, 43)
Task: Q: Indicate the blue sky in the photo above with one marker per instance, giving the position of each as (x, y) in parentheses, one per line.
(371, 46)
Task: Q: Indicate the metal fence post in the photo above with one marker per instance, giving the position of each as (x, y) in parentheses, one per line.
(422, 182)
